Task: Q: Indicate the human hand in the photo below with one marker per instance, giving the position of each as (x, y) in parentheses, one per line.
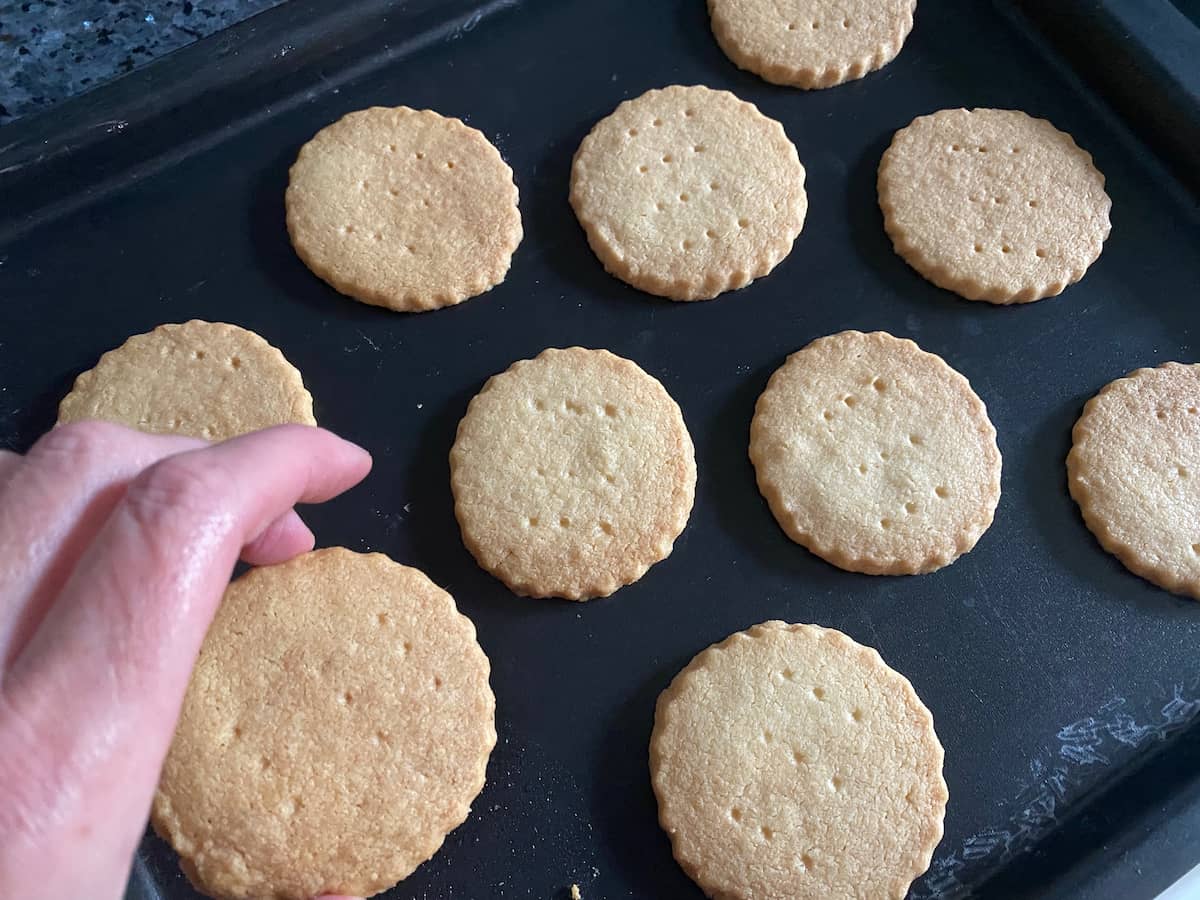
(115, 550)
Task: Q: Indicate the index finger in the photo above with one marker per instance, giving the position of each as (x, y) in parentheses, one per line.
(141, 597)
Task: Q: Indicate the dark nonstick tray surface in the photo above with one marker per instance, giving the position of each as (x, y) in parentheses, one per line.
(1064, 688)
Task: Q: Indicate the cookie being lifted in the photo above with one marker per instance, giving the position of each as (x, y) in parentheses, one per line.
(993, 204)
(337, 726)
(790, 761)
(875, 455)
(573, 473)
(687, 192)
(207, 380)
(1134, 470)
(811, 43)
(403, 208)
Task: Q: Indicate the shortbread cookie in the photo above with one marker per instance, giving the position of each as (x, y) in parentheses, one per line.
(811, 43)
(573, 473)
(337, 726)
(204, 380)
(789, 761)
(403, 208)
(687, 192)
(876, 455)
(1134, 470)
(992, 204)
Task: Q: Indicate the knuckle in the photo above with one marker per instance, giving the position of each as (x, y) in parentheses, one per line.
(78, 442)
(178, 488)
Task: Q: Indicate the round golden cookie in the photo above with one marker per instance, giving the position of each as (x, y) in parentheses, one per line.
(1134, 470)
(993, 204)
(204, 380)
(686, 192)
(790, 761)
(403, 208)
(573, 473)
(336, 728)
(875, 455)
(811, 43)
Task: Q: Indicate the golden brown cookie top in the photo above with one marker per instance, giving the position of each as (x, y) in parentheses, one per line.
(876, 455)
(811, 43)
(686, 192)
(403, 208)
(573, 473)
(337, 726)
(1134, 470)
(206, 380)
(790, 761)
(993, 204)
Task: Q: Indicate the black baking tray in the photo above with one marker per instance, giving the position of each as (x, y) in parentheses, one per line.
(1066, 690)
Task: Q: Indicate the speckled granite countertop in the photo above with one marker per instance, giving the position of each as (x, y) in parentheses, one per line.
(53, 49)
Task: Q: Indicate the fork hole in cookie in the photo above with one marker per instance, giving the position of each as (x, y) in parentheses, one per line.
(1005, 248)
(235, 362)
(856, 715)
(407, 646)
(743, 223)
(885, 524)
(1191, 410)
(687, 245)
(689, 113)
(347, 698)
(532, 521)
(799, 757)
(768, 736)
(806, 862)
(910, 508)
(816, 25)
(713, 186)
(862, 468)
(1033, 204)
(735, 814)
(437, 682)
(767, 833)
(657, 123)
(818, 693)
(791, 26)
(979, 248)
(1181, 471)
(699, 148)
(564, 522)
(633, 132)
(684, 198)
(1041, 253)
(835, 783)
(607, 528)
(850, 401)
(643, 169)
(710, 234)
(827, 415)
(667, 158)
(983, 149)
(845, 23)
(941, 492)
(879, 384)
(915, 440)
(1196, 549)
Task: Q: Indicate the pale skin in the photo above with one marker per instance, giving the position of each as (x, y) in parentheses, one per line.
(115, 550)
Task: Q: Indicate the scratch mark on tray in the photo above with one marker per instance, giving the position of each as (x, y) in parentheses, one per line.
(1060, 775)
